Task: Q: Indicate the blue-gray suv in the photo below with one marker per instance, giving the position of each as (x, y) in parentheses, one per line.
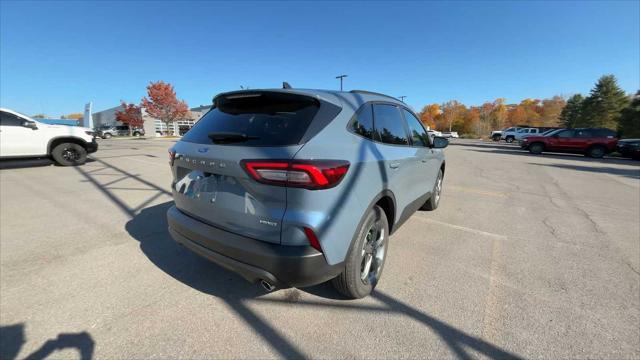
(292, 187)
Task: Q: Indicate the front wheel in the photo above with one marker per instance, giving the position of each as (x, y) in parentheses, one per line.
(509, 139)
(68, 154)
(106, 136)
(365, 261)
(434, 200)
(536, 148)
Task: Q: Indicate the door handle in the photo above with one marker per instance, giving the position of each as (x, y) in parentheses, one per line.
(394, 165)
(424, 160)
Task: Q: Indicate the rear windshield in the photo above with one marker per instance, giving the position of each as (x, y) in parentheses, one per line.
(266, 119)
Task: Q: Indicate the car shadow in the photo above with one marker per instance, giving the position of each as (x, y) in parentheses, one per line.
(630, 173)
(517, 151)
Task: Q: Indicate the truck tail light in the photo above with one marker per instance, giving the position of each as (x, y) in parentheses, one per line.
(308, 174)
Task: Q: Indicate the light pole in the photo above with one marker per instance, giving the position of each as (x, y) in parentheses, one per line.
(341, 77)
(402, 98)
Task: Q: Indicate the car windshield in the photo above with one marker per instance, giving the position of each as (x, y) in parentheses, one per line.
(550, 132)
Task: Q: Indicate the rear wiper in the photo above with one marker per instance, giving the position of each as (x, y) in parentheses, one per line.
(229, 137)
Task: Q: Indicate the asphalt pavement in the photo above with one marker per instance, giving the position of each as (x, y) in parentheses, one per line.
(527, 257)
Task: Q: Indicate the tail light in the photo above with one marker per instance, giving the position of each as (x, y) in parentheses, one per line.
(313, 239)
(312, 174)
(172, 156)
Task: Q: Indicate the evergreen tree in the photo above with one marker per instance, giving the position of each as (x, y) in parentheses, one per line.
(629, 125)
(602, 107)
(571, 114)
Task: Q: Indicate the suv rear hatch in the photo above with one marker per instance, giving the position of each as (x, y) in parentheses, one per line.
(210, 182)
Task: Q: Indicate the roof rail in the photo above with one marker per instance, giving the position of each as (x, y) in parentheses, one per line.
(372, 93)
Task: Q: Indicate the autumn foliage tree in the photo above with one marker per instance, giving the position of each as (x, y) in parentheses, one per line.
(163, 104)
(429, 114)
(131, 115)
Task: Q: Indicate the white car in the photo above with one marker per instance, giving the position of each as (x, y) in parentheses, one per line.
(23, 137)
(450, 134)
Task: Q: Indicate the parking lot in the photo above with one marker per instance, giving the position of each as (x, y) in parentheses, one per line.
(527, 256)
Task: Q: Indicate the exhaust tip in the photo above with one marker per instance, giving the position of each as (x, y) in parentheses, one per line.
(267, 285)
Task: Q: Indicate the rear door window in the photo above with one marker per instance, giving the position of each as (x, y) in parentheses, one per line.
(389, 125)
(264, 119)
(584, 133)
(418, 133)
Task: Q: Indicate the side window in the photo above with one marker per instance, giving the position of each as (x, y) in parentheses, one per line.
(585, 133)
(603, 133)
(362, 124)
(7, 119)
(565, 134)
(389, 125)
(418, 133)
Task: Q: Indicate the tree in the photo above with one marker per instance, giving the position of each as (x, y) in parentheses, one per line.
(163, 104)
(551, 109)
(131, 115)
(74, 116)
(429, 115)
(498, 114)
(571, 114)
(452, 111)
(629, 124)
(603, 106)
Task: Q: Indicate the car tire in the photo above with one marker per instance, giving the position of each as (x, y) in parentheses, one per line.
(366, 257)
(536, 148)
(136, 134)
(436, 193)
(509, 139)
(596, 152)
(496, 138)
(106, 136)
(69, 154)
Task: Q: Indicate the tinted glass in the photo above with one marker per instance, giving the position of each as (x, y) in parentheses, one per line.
(583, 133)
(603, 133)
(266, 119)
(363, 122)
(7, 119)
(418, 133)
(509, 129)
(389, 125)
(565, 133)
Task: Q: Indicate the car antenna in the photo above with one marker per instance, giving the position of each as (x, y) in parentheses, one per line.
(285, 85)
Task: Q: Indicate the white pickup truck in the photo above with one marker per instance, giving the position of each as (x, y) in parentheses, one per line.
(515, 133)
(24, 137)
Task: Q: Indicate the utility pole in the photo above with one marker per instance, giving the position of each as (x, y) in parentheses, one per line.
(402, 98)
(341, 77)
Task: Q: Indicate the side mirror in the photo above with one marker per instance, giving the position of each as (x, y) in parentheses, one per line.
(30, 124)
(439, 142)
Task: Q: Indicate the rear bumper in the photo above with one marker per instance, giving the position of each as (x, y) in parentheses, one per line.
(254, 260)
(92, 146)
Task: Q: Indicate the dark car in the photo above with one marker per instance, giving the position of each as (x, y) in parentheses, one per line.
(593, 142)
(629, 148)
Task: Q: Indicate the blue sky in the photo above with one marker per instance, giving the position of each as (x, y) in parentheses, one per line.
(55, 56)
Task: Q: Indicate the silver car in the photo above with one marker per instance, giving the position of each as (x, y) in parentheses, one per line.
(292, 187)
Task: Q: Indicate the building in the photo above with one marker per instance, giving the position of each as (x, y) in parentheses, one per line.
(151, 125)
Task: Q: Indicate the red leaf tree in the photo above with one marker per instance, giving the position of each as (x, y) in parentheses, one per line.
(131, 114)
(163, 104)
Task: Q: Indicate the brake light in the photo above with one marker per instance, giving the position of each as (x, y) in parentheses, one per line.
(312, 174)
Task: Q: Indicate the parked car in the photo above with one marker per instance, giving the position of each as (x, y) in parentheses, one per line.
(629, 148)
(24, 137)
(107, 131)
(593, 142)
(434, 133)
(450, 134)
(297, 187)
(496, 135)
(524, 144)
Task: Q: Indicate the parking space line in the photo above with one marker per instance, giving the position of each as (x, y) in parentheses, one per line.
(463, 228)
(478, 191)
